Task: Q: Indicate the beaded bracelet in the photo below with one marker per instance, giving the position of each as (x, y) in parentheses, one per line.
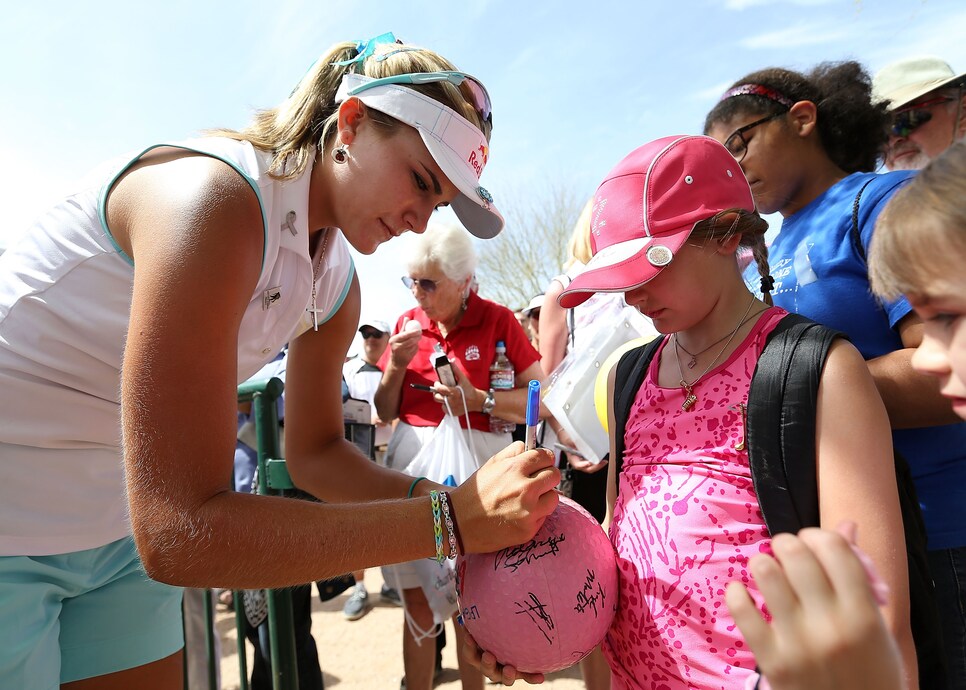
(448, 519)
(456, 527)
(437, 525)
(409, 494)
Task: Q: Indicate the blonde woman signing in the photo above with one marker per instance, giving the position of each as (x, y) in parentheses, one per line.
(132, 310)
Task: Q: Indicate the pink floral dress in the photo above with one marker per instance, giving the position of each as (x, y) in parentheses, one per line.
(685, 524)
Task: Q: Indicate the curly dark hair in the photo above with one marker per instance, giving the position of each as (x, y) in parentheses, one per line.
(852, 129)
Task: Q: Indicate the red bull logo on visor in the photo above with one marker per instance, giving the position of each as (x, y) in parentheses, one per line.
(479, 161)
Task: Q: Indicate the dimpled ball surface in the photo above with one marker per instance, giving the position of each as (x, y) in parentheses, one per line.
(544, 605)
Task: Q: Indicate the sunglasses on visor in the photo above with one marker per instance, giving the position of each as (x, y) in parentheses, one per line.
(479, 98)
(425, 284)
(905, 122)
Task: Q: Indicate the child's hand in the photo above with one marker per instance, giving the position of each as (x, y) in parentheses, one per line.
(487, 663)
(826, 631)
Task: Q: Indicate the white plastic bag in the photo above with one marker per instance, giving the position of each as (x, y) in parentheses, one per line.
(570, 391)
(445, 459)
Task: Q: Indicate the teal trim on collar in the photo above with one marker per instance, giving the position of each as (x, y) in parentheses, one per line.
(102, 197)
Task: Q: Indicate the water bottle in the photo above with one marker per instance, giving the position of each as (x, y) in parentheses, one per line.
(501, 379)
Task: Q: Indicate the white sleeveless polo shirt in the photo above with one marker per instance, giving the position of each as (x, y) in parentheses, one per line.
(65, 297)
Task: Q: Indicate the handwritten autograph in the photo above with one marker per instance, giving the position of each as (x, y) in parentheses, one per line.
(513, 557)
(536, 610)
(590, 594)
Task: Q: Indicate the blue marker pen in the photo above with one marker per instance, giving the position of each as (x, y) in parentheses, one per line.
(533, 414)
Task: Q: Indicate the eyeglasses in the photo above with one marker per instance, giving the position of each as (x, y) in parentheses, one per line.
(906, 121)
(425, 284)
(477, 94)
(371, 335)
(736, 142)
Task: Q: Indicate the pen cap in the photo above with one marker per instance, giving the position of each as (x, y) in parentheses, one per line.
(533, 403)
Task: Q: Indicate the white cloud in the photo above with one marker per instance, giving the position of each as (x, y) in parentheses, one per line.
(939, 33)
(795, 37)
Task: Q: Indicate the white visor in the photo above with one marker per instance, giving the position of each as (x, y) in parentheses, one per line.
(457, 146)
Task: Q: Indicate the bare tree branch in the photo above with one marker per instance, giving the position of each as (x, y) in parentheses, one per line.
(530, 251)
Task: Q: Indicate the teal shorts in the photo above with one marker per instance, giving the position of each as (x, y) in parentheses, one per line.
(84, 614)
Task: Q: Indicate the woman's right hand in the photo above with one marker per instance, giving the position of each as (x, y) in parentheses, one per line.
(505, 502)
(404, 345)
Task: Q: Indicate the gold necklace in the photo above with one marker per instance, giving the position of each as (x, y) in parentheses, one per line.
(690, 398)
(694, 355)
(314, 311)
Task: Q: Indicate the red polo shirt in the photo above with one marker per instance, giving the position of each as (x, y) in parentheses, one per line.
(472, 344)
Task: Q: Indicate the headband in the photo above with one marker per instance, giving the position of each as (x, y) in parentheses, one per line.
(758, 90)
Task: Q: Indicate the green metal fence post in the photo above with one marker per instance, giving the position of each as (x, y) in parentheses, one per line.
(281, 628)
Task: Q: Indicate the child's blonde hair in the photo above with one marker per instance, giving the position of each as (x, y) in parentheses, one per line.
(921, 234)
(578, 248)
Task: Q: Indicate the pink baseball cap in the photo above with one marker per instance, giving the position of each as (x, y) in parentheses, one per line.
(647, 206)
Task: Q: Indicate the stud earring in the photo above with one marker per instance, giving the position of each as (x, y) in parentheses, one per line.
(340, 154)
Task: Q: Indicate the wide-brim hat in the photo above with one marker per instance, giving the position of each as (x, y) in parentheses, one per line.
(459, 147)
(902, 82)
(647, 206)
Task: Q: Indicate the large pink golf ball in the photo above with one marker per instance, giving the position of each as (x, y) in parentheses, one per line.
(546, 604)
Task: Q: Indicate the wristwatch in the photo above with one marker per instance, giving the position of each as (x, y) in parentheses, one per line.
(489, 402)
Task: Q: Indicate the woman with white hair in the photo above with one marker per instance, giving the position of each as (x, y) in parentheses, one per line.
(451, 318)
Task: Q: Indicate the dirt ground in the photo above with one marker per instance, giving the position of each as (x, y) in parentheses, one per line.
(365, 654)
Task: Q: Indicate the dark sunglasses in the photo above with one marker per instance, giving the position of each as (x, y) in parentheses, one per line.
(371, 335)
(425, 284)
(905, 122)
(736, 143)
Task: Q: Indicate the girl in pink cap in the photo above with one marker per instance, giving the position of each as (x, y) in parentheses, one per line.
(685, 515)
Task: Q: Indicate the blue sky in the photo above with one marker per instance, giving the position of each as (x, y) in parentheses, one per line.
(575, 85)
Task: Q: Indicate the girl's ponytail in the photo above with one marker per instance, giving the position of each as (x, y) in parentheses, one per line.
(760, 254)
(751, 227)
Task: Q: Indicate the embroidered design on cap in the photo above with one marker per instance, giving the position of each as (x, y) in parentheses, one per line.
(659, 255)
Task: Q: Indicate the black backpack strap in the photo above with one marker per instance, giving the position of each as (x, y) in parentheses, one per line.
(780, 431)
(780, 426)
(856, 234)
(631, 370)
